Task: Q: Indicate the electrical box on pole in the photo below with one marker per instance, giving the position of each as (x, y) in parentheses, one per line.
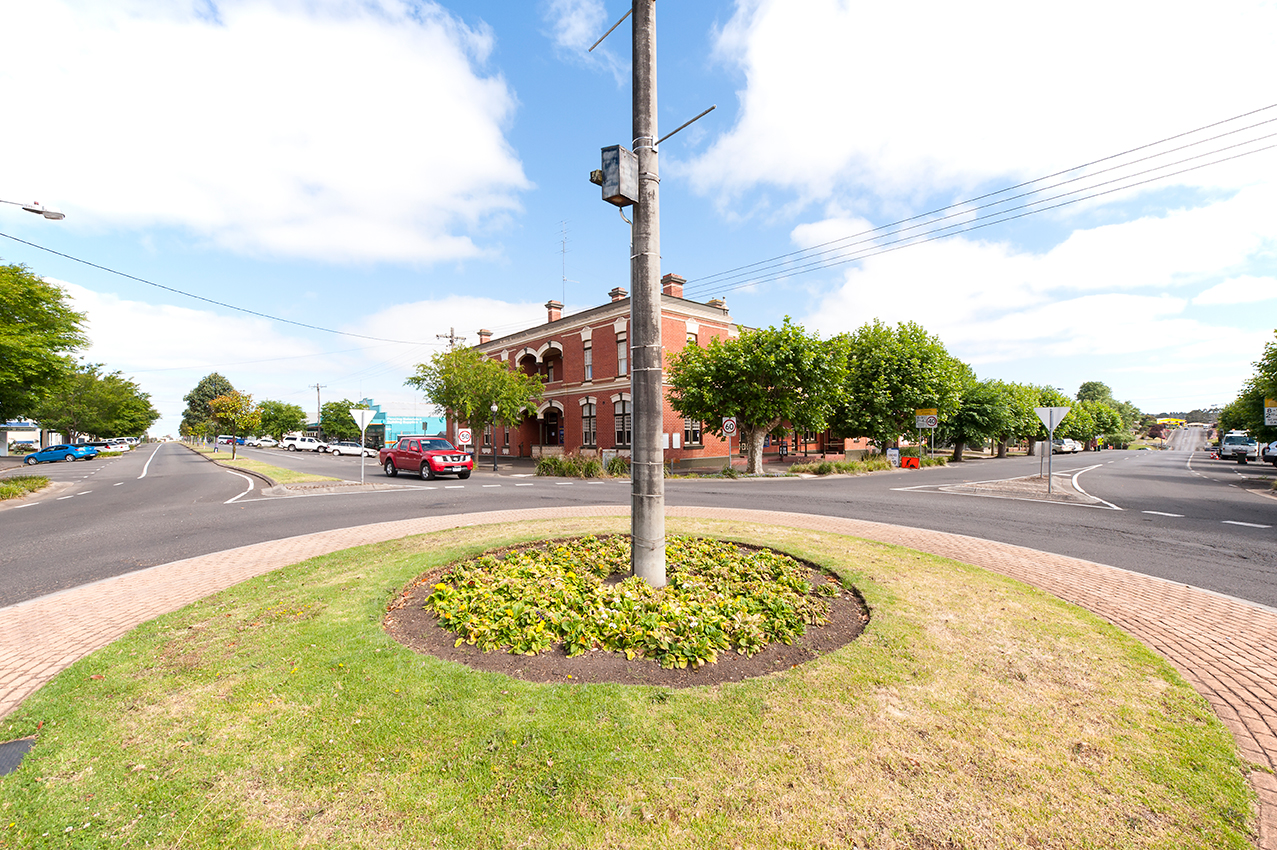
(620, 176)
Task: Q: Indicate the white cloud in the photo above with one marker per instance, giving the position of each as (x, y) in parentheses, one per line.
(1246, 289)
(894, 100)
(335, 129)
(576, 24)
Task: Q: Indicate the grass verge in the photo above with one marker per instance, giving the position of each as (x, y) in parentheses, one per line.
(973, 712)
(17, 486)
(278, 474)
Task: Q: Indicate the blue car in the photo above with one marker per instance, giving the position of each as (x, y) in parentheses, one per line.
(62, 452)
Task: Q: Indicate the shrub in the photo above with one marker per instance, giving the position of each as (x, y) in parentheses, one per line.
(719, 597)
(619, 467)
(18, 486)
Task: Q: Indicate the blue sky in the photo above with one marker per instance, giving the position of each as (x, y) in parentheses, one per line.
(395, 169)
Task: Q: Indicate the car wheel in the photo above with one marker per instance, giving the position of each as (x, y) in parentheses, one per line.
(463, 475)
(291, 447)
(390, 468)
(336, 452)
(427, 474)
(69, 458)
(31, 461)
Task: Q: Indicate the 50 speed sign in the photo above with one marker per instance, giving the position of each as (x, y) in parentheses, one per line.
(464, 436)
(729, 426)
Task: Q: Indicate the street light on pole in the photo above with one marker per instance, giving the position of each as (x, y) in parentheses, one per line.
(39, 209)
(493, 431)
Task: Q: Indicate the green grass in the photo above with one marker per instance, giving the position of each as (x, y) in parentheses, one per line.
(973, 712)
(17, 486)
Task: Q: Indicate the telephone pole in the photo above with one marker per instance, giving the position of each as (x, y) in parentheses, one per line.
(452, 338)
(319, 410)
(647, 469)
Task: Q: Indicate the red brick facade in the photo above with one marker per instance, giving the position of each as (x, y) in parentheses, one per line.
(585, 361)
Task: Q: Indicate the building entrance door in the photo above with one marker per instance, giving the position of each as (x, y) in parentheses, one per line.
(550, 428)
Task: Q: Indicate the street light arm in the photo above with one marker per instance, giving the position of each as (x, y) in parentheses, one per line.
(37, 208)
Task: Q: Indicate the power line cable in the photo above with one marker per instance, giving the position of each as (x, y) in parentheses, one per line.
(709, 282)
(207, 300)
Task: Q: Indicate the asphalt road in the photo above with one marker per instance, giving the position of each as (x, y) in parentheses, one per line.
(1175, 514)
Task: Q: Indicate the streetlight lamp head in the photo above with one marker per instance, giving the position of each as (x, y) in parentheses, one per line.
(39, 209)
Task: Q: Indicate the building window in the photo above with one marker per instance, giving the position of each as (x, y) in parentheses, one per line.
(506, 433)
(691, 432)
(588, 421)
(588, 359)
(621, 411)
(691, 339)
(549, 372)
(487, 435)
(622, 357)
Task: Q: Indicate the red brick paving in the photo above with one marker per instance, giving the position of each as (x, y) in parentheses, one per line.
(1226, 648)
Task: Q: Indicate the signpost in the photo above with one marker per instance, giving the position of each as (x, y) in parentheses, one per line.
(1050, 417)
(362, 417)
(926, 418)
(729, 428)
(464, 436)
(1270, 412)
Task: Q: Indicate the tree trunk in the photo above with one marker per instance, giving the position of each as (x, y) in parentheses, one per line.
(1032, 447)
(1002, 446)
(958, 446)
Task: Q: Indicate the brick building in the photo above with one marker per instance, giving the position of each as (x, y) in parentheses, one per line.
(585, 361)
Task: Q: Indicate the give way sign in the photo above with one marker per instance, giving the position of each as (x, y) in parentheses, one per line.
(1051, 416)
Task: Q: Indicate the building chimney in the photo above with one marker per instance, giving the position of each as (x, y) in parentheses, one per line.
(618, 294)
(672, 284)
(485, 336)
(555, 310)
(717, 303)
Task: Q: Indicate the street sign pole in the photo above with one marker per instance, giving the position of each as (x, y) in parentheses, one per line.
(1050, 417)
(729, 428)
(362, 417)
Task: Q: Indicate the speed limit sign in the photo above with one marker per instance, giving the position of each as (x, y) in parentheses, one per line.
(729, 426)
(464, 436)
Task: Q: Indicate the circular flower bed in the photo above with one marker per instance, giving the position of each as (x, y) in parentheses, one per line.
(580, 594)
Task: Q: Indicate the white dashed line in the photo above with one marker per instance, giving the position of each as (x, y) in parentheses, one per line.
(1163, 513)
(1247, 524)
(525, 485)
(454, 487)
(491, 485)
(60, 498)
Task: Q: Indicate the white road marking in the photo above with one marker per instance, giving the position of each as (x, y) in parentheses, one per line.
(525, 485)
(60, 498)
(251, 485)
(454, 487)
(117, 484)
(491, 485)
(148, 462)
(1247, 524)
(1163, 513)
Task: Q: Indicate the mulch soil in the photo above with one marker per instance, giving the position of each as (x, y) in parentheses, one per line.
(408, 622)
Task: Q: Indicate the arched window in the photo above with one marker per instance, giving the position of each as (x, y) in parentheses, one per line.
(621, 411)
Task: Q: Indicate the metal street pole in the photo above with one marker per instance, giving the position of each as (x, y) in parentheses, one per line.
(493, 431)
(647, 469)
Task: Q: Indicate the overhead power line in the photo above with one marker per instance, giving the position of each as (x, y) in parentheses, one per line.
(870, 242)
(208, 300)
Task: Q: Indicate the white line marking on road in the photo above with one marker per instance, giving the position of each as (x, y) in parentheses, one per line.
(60, 498)
(148, 462)
(251, 485)
(28, 505)
(525, 485)
(117, 484)
(82, 492)
(491, 485)
(1162, 513)
(454, 487)
(1078, 487)
(1247, 524)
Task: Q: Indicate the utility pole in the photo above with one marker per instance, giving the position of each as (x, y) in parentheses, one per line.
(319, 410)
(647, 468)
(452, 337)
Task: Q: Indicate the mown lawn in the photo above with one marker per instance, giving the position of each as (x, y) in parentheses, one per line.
(972, 713)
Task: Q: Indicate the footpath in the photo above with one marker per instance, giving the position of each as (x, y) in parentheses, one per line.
(1225, 647)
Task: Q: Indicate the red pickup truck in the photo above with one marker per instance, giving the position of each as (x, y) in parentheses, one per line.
(429, 456)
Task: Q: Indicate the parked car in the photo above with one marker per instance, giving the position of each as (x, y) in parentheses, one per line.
(1238, 446)
(267, 443)
(225, 439)
(347, 447)
(303, 444)
(428, 456)
(1270, 452)
(1065, 446)
(62, 452)
(118, 446)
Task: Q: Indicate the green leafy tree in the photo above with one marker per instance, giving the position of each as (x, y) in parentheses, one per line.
(236, 414)
(335, 421)
(280, 418)
(467, 384)
(764, 378)
(87, 402)
(38, 330)
(891, 372)
(1048, 397)
(1022, 418)
(198, 415)
(1099, 391)
(983, 412)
